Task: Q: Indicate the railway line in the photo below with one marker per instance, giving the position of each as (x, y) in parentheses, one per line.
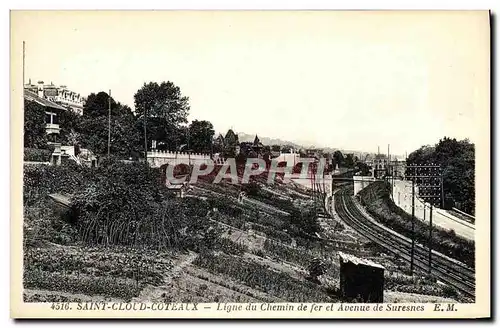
(445, 269)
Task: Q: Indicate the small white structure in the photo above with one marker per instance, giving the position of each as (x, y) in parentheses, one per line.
(291, 158)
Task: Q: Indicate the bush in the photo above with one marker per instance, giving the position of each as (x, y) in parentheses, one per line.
(37, 155)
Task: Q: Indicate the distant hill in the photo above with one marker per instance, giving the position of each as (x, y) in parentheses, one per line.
(245, 137)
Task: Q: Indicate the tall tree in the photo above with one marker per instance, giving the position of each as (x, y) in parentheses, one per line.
(166, 109)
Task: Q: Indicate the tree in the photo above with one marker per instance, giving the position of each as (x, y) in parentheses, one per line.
(363, 168)
(166, 109)
(125, 135)
(70, 124)
(338, 158)
(97, 105)
(200, 136)
(349, 161)
(457, 160)
(218, 144)
(34, 125)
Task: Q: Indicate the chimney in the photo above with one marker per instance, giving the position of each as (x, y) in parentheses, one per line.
(40, 89)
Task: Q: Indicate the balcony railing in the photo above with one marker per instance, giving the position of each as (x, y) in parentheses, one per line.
(52, 128)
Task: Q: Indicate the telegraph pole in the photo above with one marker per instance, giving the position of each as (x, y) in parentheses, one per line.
(145, 136)
(412, 224)
(24, 56)
(430, 189)
(109, 123)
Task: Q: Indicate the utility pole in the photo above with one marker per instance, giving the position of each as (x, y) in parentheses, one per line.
(430, 189)
(109, 123)
(24, 56)
(412, 224)
(442, 188)
(430, 240)
(145, 137)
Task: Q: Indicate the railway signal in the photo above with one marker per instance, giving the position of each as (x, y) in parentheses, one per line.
(429, 178)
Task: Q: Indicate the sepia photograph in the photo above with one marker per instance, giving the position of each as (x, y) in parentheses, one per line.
(253, 164)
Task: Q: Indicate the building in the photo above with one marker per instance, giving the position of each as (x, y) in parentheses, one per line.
(379, 165)
(52, 113)
(60, 95)
(361, 280)
(398, 169)
(54, 106)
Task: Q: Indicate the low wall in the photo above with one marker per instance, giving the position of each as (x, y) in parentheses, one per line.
(160, 158)
(402, 196)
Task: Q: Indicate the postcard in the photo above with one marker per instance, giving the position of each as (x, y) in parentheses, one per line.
(250, 164)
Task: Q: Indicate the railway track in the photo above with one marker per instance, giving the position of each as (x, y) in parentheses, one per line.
(448, 270)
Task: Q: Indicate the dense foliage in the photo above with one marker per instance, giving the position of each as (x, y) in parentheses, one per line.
(120, 203)
(37, 155)
(166, 109)
(458, 162)
(34, 125)
(93, 127)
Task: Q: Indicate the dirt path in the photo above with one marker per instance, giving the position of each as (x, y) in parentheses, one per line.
(155, 293)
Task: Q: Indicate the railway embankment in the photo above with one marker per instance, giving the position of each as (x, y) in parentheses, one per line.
(377, 201)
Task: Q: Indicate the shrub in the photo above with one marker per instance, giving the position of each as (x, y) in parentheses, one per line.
(37, 155)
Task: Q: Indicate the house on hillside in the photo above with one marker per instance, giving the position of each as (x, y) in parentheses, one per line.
(59, 95)
(52, 113)
(56, 100)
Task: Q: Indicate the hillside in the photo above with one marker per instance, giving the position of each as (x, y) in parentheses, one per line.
(206, 247)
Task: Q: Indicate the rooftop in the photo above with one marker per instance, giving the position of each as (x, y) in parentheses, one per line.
(31, 96)
(344, 257)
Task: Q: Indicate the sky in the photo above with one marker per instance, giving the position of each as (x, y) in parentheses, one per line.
(349, 80)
